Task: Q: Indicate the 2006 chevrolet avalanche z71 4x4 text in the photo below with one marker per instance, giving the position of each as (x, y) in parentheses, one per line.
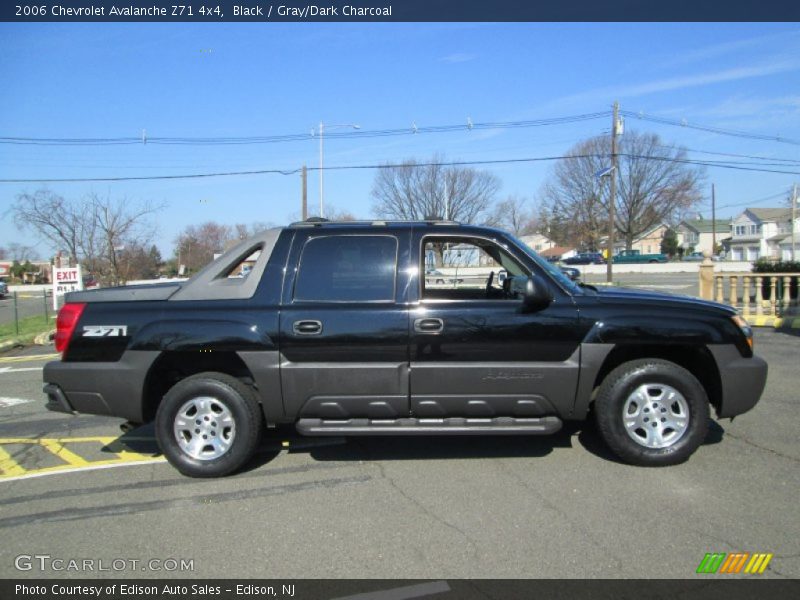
(334, 327)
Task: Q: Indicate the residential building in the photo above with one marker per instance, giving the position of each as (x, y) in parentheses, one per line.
(764, 233)
(538, 242)
(648, 242)
(558, 253)
(696, 235)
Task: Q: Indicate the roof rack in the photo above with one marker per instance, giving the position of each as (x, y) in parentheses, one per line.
(319, 221)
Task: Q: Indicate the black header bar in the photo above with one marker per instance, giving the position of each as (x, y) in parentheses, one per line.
(218, 11)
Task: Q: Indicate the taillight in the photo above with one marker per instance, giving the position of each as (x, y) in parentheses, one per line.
(67, 319)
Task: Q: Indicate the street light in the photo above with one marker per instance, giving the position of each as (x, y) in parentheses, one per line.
(321, 162)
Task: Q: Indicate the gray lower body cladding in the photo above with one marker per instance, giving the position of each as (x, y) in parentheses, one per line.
(113, 389)
(742, 379)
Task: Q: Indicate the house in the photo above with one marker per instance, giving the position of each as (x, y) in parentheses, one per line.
(648, 242)
(696, 235)
(538, 242)
(763, 233)
(557, 253)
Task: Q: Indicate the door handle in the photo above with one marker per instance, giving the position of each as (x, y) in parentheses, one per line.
(429, 325)
(307, 327)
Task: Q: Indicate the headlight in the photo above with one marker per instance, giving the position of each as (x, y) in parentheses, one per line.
(742, 324)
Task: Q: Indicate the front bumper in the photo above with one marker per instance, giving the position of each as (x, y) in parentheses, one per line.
(742, 380)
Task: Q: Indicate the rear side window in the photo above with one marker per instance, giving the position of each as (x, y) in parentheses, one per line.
(347, 268)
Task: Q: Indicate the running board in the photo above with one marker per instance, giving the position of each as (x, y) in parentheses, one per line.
(449, 426)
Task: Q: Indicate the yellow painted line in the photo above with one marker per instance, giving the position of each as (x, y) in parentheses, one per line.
(100, 439)
(28, 358)
(10, 470)
(8, 466)
(66, 455)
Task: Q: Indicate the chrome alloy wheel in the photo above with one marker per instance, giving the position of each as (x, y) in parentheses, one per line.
(656, 415)
(204, 428)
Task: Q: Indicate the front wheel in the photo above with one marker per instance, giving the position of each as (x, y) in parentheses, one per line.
(652, 412)
(208, 425)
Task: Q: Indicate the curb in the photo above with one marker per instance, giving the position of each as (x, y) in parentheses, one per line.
(41, 339)
(776, 322)
(44, 338)
(8, 345)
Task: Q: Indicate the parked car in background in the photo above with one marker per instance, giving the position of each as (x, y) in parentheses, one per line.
(571, 272)
(634, 256)
(3, 289)
(697, 257)
(585, 258)
(434, 276)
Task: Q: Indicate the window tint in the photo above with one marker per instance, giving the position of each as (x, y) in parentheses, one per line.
(357, 268)
(469, 269)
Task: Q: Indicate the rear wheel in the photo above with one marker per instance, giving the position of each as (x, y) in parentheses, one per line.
(652, 412)
(208, 425)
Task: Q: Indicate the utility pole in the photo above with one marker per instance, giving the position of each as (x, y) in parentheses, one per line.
(321, 169)
(794, 216)
(304, 201)
(613, 199)
(713, 220)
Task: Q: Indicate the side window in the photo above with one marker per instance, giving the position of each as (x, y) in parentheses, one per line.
(469, 269)
(342, 268)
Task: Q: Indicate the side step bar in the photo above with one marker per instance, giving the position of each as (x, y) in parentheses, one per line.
(449, 426)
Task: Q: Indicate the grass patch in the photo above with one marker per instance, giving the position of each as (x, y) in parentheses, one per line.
(29, 328)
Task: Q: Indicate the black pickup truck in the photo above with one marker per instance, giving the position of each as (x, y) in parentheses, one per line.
(333, 327)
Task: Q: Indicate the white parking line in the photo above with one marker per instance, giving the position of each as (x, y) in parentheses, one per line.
(6, 402)
(89, 467)
(12, 370)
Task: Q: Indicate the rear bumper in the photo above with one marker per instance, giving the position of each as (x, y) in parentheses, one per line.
(56, 400)
(742, 380)
(109, 388)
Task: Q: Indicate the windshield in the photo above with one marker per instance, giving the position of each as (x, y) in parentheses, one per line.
(554, 271)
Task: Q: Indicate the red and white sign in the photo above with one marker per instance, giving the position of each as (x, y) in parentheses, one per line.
(66, 279)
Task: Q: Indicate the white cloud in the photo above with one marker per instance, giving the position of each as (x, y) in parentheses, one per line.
(686, 81)
(458, 57)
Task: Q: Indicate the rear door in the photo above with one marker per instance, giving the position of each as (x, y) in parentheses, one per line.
(344, 325)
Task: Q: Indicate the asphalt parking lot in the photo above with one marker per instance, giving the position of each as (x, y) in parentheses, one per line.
(552, 507)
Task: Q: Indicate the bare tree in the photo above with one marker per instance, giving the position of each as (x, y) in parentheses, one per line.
(242, 231)
(515, 215)
(92, 229)
(417, 191)
(21, 252)
(52, 217)
(654, 186)
(197, 244)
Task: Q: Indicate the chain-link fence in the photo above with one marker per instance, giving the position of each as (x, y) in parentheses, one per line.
(26, 311)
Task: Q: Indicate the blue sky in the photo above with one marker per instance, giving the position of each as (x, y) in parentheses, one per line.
(232, 79)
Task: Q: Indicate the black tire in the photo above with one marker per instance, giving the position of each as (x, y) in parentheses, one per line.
(243, 409)
(623, 387)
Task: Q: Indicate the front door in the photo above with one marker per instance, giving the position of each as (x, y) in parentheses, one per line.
(475, 350)
(343, 329)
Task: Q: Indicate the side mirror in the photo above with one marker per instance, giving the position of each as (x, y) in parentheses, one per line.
(537, 295)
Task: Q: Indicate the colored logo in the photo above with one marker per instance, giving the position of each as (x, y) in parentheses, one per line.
(735, 562)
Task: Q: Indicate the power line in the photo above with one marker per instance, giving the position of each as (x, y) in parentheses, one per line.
(711, 129)
(394, 165)
(789, 161)
(271, 139)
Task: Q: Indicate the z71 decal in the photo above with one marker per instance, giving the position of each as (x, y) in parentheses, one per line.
(105, 330)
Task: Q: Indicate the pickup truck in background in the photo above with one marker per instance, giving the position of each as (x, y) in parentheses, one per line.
(336, 330)
(634, 256)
